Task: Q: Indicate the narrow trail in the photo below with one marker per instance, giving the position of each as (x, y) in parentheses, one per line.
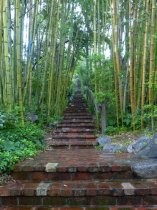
(71, 172)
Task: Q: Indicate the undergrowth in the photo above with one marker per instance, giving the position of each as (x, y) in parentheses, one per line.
(16, 142)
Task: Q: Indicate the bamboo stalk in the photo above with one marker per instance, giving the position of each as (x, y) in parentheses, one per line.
(152, 62)
(18, 57)
(6, 56)
(117, 60)
(1, 52)
(132, 99)
(144, 60)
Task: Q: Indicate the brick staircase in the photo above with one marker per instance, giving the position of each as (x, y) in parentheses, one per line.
(72, 174)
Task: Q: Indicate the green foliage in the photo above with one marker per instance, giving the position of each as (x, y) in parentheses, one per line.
(52, 120)
(55, 120)
(150, 111)
(111, 130)
(7, 120)
(16, 142)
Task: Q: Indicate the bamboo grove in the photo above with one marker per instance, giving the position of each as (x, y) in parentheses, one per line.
(110, 44)
(122, 57)
(38, 51)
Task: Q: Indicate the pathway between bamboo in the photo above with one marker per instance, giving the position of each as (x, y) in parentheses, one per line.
(73, 174)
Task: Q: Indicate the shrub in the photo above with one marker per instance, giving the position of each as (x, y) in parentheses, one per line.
(16, 142)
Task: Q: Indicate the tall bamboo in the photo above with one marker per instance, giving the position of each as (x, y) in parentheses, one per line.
(95, 39)
(59, 86)
(18, 57)
(135, 52)
(6, 55)
(117, 58)
(126, 57)
(34, 28)
(152, 59)
(28, 70)
(1, 51)
(144, 59)
(132, 100)
(53, 30)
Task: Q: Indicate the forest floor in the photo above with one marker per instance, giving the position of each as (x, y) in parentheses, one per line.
(125, 138)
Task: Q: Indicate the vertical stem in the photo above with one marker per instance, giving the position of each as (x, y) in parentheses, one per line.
(131, 67)
(117, 57)
(1, 52)
(6, 55)
(152, 59)
(53, 29)
(144, 59)
(18, 57)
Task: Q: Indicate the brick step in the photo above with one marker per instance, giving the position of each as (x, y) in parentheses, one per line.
(118, 192)
(78, 101)
(78, 98)
(78, 117)
(77, 114)
(80, 164)
(74, 130)
(92, 139)
(75, 125)
(71, 144)
(78, 105)
(72, 136)
(77, 121)
(76, 108)
(75, 111)
(71, 174)
(66, 207)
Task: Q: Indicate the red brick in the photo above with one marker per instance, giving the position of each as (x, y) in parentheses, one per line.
(4, 191)
(81, 176)
(21, 175)
(103, 189)
(116, 168)
(5, 201)
(38, 176)
(55, 190)
(30, 201)
(30, 189)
